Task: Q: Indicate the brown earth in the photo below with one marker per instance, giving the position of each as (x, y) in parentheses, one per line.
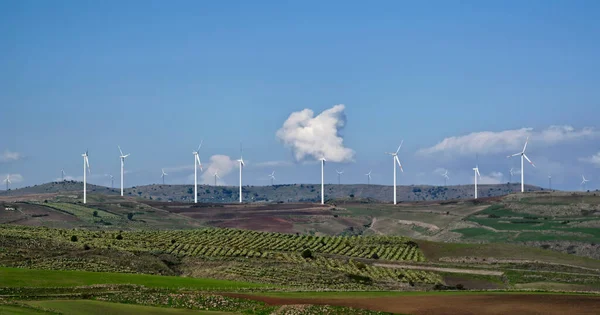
(271, 224)
(29, 214)
(468, 304)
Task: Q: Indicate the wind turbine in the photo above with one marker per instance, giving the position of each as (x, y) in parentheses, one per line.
(112, 180)
(583, 182)
(241, 161)
(445, 177)
(216, 176)
(339, 175)
(322, 180)
(523, 156)
(86, 164)
(395, 159)
(7, 180)
(196, 164)
(368, 177)
(550, 182)
(62, 172)
(122, 156)
(476, 169)
(163, 175)
(272, 176)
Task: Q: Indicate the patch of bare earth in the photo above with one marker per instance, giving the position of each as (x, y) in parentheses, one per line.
(468, 304)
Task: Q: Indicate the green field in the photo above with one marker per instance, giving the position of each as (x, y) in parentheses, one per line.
(16, 277)
(88, 307)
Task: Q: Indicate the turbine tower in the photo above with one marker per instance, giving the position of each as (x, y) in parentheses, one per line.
(7, 180)
(62, 173)
(339, 175)
(86, 164)
(523, 156)
(445, 177)
(476, 169)
(323, 160)
(241, 161)
(368, 177)
(163, 175)
(122, 156)
(196, 164)
(112, 180)
(272, 176)
(216, 176)
(583, 182)
(394, 161)
(550, 182)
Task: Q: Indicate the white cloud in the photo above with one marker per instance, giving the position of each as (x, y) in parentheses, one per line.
(594, 159)
(9, 156)
(221, 164)
(488, 142)
(316, 137)
(273, 164)
(492, 178)
(14, 178)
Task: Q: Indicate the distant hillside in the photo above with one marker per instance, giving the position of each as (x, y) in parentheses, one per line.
(285, 193)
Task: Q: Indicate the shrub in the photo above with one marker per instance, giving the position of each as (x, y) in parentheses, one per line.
(74, 238)
(119, 237)
(375, 256)
(360, 265)
(460, 287)
(86, 247)
(173, 241)
(130, 216)
(95, 213)
(306, 254)
(190, 191)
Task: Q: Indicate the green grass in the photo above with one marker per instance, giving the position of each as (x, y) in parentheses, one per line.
(481, 234)
(17, 310)
(434, 251)
(17, 277)
(89, 307)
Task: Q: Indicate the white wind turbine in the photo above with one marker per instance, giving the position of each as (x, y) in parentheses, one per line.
(62, 173)
(272, 176)
(7, 181)
(322, 180)
(241, 161)
(112, 180)
(86, 164)
(523, 156)
(583, 182)
(163, 175)
(368, 177)
(476, 169)
(396, 160)
(122, 156)
(196, 164)
(550, 182)
(339, 175)
(216, 176)
(446, 177)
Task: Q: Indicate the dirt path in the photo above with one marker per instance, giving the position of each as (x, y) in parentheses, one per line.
(480, 304)
(441, 269)
(372, 226)
(429, 226)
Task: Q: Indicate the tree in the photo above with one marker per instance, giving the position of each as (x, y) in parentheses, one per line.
(130, 216)
(74, 238)
(95, 213)
(86, 247)
(119, 237)
(306, 254)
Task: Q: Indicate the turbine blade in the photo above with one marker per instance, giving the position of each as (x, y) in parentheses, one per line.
(120, 150)
(400, 146)
(516, 154)
(477, 170)
(528, 160)
(525, 146)
(399, 164)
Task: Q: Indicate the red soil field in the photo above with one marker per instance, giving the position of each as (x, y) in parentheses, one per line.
(468, 304)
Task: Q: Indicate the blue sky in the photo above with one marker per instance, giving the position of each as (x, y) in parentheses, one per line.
(156, 77)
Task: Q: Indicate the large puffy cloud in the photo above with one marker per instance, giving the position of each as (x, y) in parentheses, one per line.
(594, 159)
(9, 156)
(492, 178)
(222, 164)
(489, 142)
(316, 137)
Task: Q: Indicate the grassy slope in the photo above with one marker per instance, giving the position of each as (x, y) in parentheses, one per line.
(16, 277)
(16, 310)
(434, 251)
(87, 307)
